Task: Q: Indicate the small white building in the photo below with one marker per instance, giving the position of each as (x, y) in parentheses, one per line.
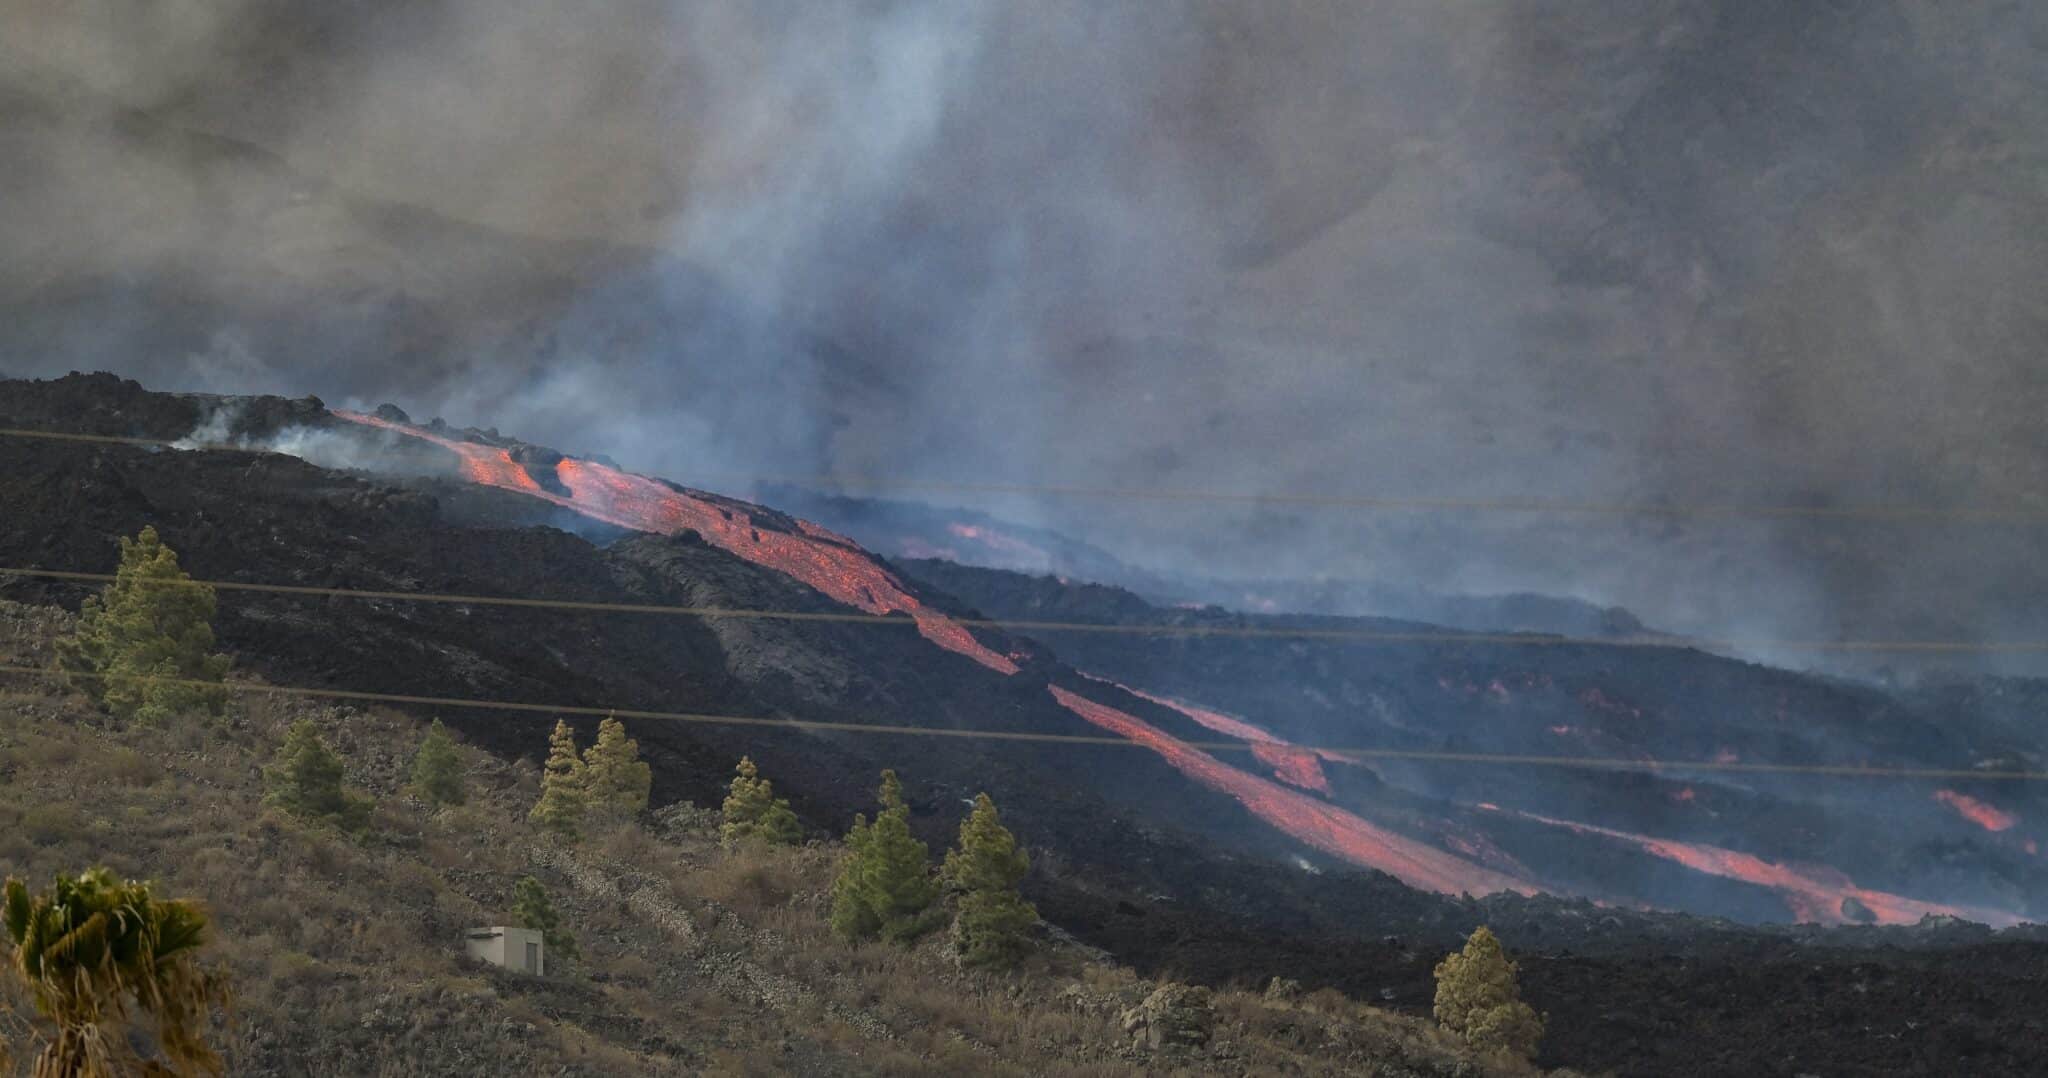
(518, 949)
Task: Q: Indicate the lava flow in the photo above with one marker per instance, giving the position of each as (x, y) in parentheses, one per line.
(1813, 895)
(835, 566)
(1987, 816)
(817, 557)
(999, 543)
(1324, 826)
(1292, 765)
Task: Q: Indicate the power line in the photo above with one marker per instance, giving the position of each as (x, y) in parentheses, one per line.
(1026, 625)
(1606, 763)
(1304, 499)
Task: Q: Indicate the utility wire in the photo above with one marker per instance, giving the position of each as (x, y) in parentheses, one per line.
(1728, 510)
(1607, 763)
(1024, 625)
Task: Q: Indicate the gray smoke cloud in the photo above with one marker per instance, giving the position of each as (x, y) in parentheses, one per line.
(1685, 251)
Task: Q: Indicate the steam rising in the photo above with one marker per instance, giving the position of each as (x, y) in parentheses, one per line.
(1680, 252)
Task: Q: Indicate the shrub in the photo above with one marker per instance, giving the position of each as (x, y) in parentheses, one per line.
(884, 888)
(305, 780)
(91, 950)
(144, 645)
(1478, 1000)
(752, 812)
(533, 909)
(560, 808)
(437, 769)
(992, 926)
(616, 781)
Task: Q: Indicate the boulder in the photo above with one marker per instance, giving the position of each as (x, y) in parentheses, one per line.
(1175, 1015)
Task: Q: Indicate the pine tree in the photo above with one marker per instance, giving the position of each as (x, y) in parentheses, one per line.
(885, 886)
(992, 926)
(852, 918)
(144, 645)
(561, 804)
(305, 780)
(1478, 1000)
(437, 769)
(616, 780)
(754, 814)
(532, 908)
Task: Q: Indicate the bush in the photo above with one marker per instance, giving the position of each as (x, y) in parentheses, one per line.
(885, 888)
(1478, 1000)
(305, 780)
(561, 804)
(437, 769)
(992, 926)
(532, 908)
(94, 948)
(144, 645)
(752, 812)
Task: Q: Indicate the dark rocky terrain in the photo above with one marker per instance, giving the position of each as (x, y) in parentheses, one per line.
(1133, 857)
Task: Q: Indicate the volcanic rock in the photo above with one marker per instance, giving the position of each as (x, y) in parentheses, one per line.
(1174, 1015)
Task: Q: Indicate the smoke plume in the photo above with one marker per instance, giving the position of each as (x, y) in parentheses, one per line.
(1691, 253)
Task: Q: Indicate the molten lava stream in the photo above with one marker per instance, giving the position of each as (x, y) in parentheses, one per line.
(482, 464)
(1812, 896)
(1985, 815)
(1291, 765)
(1315, 823)
(816, 557)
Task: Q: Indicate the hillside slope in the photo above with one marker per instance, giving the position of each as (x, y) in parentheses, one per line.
(1712, 837)
(1131, 855)
(346, 953)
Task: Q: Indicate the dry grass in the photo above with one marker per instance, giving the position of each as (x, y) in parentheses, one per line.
(345, 950)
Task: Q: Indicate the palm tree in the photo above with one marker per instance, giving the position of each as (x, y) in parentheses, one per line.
(94, 947)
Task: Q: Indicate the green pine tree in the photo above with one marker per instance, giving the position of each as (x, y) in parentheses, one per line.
(1477, 998)
(992, 926)
(754, 814)
(561, 805)
(532, 908)
(616, 781)
(305, 780)
(885, 887)
(437, 769)
(852, 918)
(144, 645)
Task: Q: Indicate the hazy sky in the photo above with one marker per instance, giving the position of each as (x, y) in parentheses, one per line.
(1695, 252)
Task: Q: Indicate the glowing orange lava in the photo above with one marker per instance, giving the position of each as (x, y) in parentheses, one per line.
(487, 465)
(1316, 823)
(1987, 816)
(825, 561)
(1296, 767)
(839, 569)
(1812, 894)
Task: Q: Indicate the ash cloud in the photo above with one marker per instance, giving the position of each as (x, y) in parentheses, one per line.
(1685, 251)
